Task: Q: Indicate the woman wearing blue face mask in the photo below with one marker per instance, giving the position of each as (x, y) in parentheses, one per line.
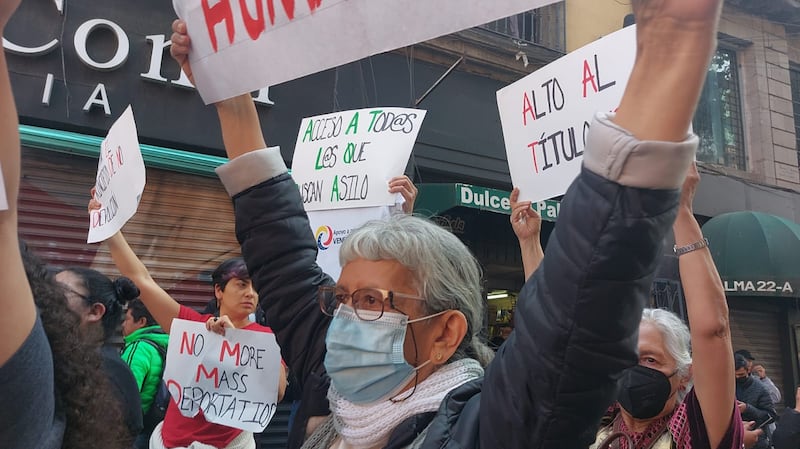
(390, 356)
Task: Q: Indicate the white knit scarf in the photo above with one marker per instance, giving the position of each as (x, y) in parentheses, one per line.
(364, 426)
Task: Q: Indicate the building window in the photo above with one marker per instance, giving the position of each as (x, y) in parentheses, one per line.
(794, 74)
(718, 120)
(543, 26)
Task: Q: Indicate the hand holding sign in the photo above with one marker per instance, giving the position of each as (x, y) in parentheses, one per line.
(233, 380)
(120, 179)
(345, 159)
(180, 47)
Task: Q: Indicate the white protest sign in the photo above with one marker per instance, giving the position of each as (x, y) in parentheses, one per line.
(346, 159)
(331, 227)
(3, 198)
(546, 115)
(270, 42)
(120, 179)
(232, 379)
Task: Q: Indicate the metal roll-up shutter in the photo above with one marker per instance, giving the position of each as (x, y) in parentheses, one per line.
(758, 332)
(183, 229)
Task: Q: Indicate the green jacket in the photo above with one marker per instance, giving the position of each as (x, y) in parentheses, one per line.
(145, 361)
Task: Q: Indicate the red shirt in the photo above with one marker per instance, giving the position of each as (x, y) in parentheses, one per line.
(180, 431)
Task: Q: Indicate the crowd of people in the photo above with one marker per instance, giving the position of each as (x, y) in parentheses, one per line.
(392, 353)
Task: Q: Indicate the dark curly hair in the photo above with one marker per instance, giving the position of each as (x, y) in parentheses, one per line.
(114, 295)
(82, 390)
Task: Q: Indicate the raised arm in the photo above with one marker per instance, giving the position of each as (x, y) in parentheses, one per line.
(712, 354)
(19, 313)
(527, 225)
(158, 302)
(274, 232)
(578, 316)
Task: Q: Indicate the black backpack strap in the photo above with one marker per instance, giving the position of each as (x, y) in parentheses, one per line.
(161, 350)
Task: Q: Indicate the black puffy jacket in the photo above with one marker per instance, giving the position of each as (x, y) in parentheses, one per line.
(577, 318)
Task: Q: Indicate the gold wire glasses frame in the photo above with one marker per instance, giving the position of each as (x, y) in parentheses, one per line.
(368, 303)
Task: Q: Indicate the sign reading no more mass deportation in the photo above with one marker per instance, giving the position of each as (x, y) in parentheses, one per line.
(270, 42)
(346, 159)
(233, 379)
(546, 115)
(120, 179)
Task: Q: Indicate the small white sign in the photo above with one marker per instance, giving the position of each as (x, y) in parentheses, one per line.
(120, 179)
(331, 228)
(270, 42)
(546, 115)
(346, 159)
(3, 197)
(233, 379)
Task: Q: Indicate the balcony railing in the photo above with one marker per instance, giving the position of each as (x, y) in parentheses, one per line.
(543, 26)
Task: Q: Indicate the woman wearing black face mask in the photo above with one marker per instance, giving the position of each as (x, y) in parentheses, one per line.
(657, 406)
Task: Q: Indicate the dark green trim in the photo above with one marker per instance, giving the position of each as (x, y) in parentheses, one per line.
(89, 146)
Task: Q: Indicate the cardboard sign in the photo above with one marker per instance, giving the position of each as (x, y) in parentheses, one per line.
(270, 42)
(345, 159)
(120, 179)
(232, 379)
(3, 198)
(331, 227)
(546, 115)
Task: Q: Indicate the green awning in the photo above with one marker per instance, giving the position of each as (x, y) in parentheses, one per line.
(756, 254)
(433, 199)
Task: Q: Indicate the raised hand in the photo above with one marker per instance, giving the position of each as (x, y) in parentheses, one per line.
(180, 47)
(404, 186)
(526, 222)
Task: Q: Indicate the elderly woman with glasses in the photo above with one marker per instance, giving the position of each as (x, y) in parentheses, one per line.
(401, 362)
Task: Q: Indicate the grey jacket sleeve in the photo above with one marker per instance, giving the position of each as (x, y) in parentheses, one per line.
(578, 316)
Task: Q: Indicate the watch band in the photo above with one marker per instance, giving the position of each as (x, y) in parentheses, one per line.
(681, 250)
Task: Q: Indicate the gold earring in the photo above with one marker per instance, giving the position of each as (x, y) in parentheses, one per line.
(439, 357)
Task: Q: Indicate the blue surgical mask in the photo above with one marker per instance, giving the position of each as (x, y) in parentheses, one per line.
(365, 359)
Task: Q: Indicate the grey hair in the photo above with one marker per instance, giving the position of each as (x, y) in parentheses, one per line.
(447, 274)
(676, 337)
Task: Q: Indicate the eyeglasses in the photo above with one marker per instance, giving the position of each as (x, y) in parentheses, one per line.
(70, 291)
(368, 303)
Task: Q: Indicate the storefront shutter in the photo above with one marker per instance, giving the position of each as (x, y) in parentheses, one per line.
(757, 331)
(184, 227)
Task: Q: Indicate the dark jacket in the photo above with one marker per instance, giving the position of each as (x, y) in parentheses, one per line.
(787, 431)
(759, 406)
(577, 318)
(124, 387)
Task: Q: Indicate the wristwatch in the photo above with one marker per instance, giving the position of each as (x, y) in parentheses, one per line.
(680, 250)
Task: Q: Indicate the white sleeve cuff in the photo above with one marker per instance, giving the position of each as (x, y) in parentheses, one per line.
(251, 169)
(615, 154)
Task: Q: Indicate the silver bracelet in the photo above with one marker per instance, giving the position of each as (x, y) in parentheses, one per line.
(681, 250)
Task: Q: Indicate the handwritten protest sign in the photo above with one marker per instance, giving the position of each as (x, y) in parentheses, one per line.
(271, 42)
(120, 179)
(3, 198)
(233, 379)
(345, 159)
(546, 115)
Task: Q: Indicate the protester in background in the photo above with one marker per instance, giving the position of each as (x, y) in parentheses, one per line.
(504, 330)
(145, 353)
(577, 317)
(787, 431)
(55, 393)
(100, 302)
(753, 400)
(237, 301)
(761, 374)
